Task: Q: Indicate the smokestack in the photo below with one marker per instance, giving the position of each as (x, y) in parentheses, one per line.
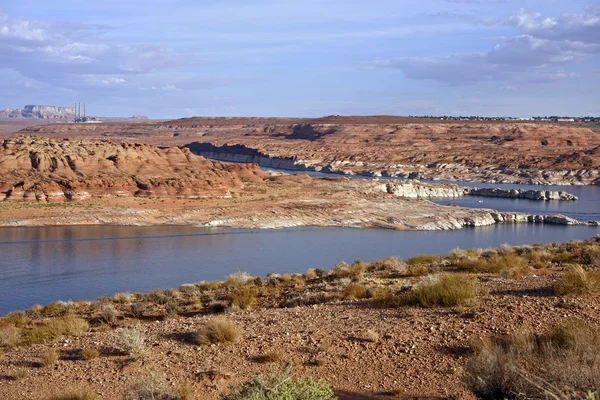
(83, 110)
(79, 112)
(75, 110)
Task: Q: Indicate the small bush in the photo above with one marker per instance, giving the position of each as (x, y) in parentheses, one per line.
(237, 279)
(446, 290)
(158, 297)
(123, 298)
(68, 325)
(387, 264)
(14, 319)
(9, 336)
(423, 259)
(188, 289)
(130, 340)
(577, 280)
(152, 386)
(384, 297)
(417, 270)
(50, 358)
(74, 395)
(56, 308)
(137, 309)
(217, 330)
(108, 314)
(90, 353)
(244, 296)
(355, 291)
(171, 308)
(280, 386)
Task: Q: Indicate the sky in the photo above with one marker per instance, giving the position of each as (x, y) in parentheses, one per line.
(303, 58)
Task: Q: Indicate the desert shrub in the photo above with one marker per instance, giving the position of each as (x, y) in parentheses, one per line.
(355, 272)
(417, 270)
(74, 395)
(68, 325)
(355, 291)
(50, 358)
(130, 340)
(10, 336)
(108, 314)
(238, 278)
(137, 309)
(90, 353)
(188, 289)
(56, 308)
(14, 319)
(387, 264)
(158, 297)
(445, 290)
(217, 330)
(563, 257)
(422, 259)
(310, 274)
(152, 386)
(561, 363)
(384, 297)
(171, 308)
(590, 255)
(280, 386)
(244, 296)
(123, 298)
(208, 286)
(577, 280)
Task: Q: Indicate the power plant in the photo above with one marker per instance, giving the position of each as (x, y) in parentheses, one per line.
(85, 119)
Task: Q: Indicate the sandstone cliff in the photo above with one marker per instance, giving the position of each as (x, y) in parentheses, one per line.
(39, 112)
(42, 169)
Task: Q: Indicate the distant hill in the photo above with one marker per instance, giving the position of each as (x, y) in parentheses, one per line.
(39, 112)
(50, 112)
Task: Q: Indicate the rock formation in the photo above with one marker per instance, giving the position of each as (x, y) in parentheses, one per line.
(39, 112)
(33, 168)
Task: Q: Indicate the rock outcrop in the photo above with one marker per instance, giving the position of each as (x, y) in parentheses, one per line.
(39, 169)
(521, 194)
(415, 190)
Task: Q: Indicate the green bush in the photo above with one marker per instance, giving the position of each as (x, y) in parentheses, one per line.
(280, 386)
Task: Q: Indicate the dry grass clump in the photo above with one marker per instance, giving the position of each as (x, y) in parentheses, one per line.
(356, 291)
(137, 309)
(280, 385)
(310, 274)
(577, 280)
(423, 259)
(90, 353)
(130, 340)
(355, 272)
(68, 325)
(108, 314)
(562, 363)
(417, 270)
(384, 297)
(217, 330)
(50, 358)
(123, 298)
(243, 297)
(444, 290)
(171, 308)
(188, 289)
(237, 279)
(10, 336)
(152, 386)
(56, 308)
(74, 395)
(387, 264)
(14, 319)
(490, 262)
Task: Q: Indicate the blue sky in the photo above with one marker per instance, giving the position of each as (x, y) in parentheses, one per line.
(179, 58)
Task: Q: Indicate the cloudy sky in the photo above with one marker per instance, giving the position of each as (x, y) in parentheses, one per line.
(179, 58)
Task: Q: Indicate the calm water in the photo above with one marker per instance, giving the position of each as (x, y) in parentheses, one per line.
(41, 265)
(587, 208)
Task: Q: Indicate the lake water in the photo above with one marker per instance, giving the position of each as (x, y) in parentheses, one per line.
(42, 265)
(587, 208)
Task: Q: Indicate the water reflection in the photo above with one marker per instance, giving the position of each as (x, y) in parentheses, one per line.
(39, 265)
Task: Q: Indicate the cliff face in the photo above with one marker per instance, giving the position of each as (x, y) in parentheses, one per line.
(39, 112)
(42, 169)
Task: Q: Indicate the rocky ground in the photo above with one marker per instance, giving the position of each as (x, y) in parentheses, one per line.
(511, 152)
(362, 351)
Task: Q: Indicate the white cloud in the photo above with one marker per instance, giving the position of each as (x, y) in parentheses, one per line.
(545, 47)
